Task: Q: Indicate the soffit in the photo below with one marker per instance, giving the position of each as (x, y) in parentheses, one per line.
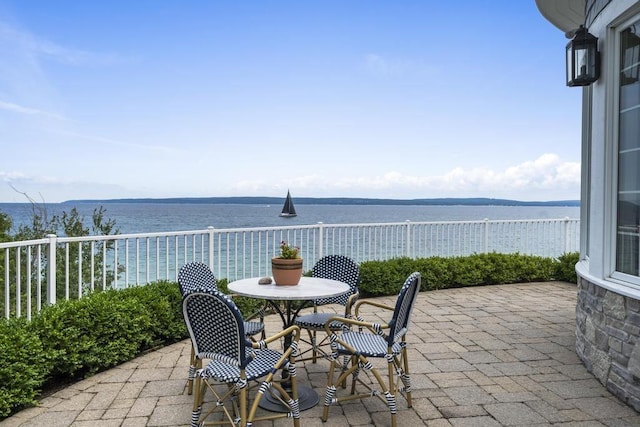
(567, 15)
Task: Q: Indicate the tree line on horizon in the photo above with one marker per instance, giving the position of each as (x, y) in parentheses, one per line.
(472, 201)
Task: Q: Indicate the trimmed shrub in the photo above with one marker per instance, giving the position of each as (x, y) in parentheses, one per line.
(534, 268)
(163, 302)
(84, 336)
(436, 273)
(469, 271)
(378, 278)
(78, 338)
(22, 365)
(565, 269)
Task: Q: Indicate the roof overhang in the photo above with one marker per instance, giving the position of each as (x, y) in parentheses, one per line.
(567, 15)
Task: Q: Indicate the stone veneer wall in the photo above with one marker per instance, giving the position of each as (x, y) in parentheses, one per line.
(608, 339)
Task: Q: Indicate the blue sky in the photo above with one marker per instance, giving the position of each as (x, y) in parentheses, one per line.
(402, 99)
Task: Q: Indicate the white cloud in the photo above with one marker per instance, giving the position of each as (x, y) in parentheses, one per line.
(545, 178)
(16, 186)
(19, 178)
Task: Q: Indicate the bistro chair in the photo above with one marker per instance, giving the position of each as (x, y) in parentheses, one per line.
(198, 277)
(236, 365)
(374, 340)
(336, 267)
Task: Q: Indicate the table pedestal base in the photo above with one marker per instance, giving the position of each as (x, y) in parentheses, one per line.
(307, 399)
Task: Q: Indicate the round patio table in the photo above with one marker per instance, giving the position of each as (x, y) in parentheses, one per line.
(295, 298)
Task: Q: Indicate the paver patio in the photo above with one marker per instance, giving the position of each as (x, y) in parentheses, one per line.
(482, 356)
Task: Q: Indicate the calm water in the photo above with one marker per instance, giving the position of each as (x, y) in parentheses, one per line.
(161, 217)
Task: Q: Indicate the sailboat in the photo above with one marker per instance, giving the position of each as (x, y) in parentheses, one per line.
(288, 210)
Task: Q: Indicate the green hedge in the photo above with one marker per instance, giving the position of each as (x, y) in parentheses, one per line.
(379, 278)
(565, 269)
(22, 365)
(77, 338)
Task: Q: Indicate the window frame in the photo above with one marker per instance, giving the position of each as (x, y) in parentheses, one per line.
(615, 32)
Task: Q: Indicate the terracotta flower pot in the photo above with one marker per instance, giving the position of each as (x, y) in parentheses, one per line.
(286, 272)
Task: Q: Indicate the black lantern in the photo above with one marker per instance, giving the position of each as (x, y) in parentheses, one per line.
(583, 59)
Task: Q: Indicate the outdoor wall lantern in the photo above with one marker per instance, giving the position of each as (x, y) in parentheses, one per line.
(583, 58)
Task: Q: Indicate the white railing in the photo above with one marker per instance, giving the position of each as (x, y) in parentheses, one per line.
(82, 264)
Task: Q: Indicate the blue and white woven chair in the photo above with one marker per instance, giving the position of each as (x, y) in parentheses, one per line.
(375, 340)
(216, 328)
(336, 267)
(198, 277)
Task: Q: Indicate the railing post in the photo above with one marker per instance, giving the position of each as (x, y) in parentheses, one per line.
(320, 240)
(408, 222)
(566, 234)
(211, 232)
(7, 295)
(486, 235)
(51, 269)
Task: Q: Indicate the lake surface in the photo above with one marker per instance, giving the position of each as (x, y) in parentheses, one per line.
(163, 217)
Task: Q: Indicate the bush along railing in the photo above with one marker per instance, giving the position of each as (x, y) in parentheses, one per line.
(39, 272)
(77, 338)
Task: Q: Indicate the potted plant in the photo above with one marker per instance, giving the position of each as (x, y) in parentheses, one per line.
(287, 267)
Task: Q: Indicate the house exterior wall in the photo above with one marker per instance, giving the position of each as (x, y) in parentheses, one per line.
(593, 9)
(608, 306)
(607, 331)
(608, 310)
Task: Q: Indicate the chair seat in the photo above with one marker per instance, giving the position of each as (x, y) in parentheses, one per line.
(367, 344)
(316, 321)
(222, 371)
(253, 328)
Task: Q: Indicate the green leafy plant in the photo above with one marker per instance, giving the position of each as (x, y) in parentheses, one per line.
(82, 337)
(92, 258)
(85, 262)
(566, 267)
(287, 251)
(380, 278)
(22, 367)
(163, 303)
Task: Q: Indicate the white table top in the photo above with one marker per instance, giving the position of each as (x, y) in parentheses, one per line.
(309, 288)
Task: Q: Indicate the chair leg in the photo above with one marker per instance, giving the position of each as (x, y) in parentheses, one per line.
(345, 366)
(390, 393)
(262, 313)
(331, 390)
(192, 371)
(243, 404)
(314, 347)
(197, 402)
(354, 376)
(294, 390)
(406, 378)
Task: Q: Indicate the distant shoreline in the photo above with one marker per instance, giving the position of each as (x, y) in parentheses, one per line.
(480, 201)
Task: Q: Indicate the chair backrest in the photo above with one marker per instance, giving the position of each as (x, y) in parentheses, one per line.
(196, 276)
(216, 327)
(404, 306)
(337, 267)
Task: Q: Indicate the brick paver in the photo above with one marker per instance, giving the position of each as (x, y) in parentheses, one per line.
(481, 356)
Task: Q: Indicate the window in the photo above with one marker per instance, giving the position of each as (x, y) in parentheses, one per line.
(628, 204)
